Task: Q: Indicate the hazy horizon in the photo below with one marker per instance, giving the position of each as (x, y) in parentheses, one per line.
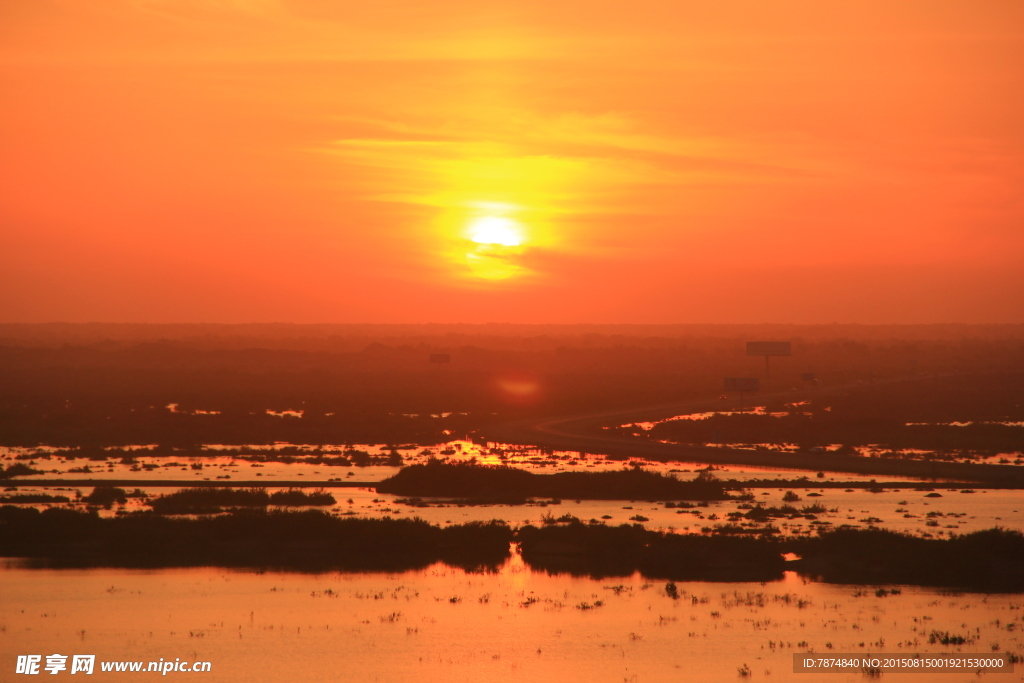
(95, 332)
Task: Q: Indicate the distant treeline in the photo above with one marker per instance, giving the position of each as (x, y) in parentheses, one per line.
(501, 484)
(381, 388)
(308, 541)
(991, 560)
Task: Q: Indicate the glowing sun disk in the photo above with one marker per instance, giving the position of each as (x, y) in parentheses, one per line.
(496, 230)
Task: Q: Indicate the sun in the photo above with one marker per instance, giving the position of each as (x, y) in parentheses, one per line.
(496, 247)
(489, 242)
(496, 230)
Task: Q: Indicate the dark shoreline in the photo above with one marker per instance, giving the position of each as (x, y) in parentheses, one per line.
(581, 435)
(731, 484)
(988, 561)
(293, 540)
(589, 433)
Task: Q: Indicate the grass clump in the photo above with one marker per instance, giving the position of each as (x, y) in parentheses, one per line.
(107, 496)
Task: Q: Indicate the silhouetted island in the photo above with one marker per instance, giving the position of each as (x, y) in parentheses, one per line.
(501, 484)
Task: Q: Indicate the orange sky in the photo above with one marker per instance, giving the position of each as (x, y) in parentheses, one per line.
(643, 161)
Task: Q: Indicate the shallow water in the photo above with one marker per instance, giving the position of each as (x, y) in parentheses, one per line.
(953, 513)
(897, 509)
(250, 468)
(443, 624)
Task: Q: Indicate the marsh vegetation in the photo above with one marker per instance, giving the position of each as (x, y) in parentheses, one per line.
(306, 540)
(210, 500)
(991, 560)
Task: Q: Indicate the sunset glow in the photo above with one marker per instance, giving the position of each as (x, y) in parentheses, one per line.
(426, 341)
(862, 161)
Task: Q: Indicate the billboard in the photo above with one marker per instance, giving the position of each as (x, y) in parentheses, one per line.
(742, 384)
(769, 348)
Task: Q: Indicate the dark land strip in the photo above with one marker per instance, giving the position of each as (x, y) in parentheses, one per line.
(189, 483)
(729, 484)
(508, 484)
(583, 433)
(990, 560)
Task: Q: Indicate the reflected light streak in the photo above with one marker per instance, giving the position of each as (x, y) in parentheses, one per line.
(520, 388)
